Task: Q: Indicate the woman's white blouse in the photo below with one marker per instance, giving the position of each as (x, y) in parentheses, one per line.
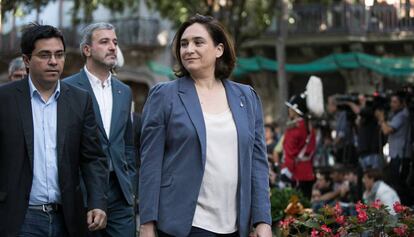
(216, 209)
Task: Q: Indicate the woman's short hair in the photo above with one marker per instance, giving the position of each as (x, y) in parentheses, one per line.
(225, 64)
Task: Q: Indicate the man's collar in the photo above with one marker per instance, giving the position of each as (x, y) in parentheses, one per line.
(34, 90)
(95, 80)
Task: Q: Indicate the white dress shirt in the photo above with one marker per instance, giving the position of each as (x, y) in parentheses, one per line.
(103, 95)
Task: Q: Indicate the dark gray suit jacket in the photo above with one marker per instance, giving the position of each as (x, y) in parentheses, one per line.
(78, 149)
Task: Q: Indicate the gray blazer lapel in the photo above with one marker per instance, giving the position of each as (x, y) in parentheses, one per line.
(117, 95)
(25, 108)
(83, 82)
(238, 107)
(189, 98)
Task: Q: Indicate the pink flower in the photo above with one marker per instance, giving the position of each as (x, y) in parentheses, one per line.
(340, 220)
(314, 233)
(338, 209)
(398, 208)
(359, 206)
(362, 216)
(326, 229)
(401, 230)
(377, 204)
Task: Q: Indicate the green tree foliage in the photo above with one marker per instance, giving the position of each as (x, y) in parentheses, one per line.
(244, 19)
(26, 5)
(88, 6)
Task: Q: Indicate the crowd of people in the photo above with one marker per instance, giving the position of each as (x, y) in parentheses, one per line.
(360, 150)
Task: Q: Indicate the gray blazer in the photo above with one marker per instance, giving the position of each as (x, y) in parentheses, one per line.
(173, 156)
(119, 146)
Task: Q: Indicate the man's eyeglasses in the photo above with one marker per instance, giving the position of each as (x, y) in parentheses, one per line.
(46, 56)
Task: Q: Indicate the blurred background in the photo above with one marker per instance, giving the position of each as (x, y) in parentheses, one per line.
(354, 46)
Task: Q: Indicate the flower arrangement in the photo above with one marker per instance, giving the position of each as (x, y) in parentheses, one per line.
(281, 198)
(371, 220)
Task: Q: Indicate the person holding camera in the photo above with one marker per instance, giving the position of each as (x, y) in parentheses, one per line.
(397, 128)
(367, 133)
(344, 126)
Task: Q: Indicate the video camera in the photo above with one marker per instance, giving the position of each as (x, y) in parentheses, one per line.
(342, 99)
(379, 101)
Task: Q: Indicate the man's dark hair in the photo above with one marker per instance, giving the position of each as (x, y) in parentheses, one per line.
(270, 126)
(326, 176)
(375, 174)
(400, 95)
(34, 32)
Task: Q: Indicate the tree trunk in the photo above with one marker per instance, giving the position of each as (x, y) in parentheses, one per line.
(13, 31)
(281, 59)
(37, 12)
(60, 14)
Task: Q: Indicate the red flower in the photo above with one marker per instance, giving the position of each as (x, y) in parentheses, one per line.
(314, 233)
(360, 206)
(340, 220)
(326, 229)
(338, 209)
(377, 204)
(362, 216)
(398, 208)
(401, 230)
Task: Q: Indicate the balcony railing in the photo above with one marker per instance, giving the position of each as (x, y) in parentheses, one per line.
(350, 19)
(130, 32)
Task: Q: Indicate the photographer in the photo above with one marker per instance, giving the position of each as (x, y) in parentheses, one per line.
(397, 128)
(368, 132)
(344, 126)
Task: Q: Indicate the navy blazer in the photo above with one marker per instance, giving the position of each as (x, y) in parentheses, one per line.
(77, 147)
(119, 146)
(173, 155)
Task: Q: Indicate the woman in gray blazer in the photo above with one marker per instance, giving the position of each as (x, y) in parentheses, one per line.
(203, 169)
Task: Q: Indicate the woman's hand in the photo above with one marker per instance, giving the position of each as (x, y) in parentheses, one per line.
(263, 230)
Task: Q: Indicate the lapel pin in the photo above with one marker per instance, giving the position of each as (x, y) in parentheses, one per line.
(241, 104)
(119, 92)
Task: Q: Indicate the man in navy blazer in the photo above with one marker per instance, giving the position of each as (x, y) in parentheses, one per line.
(112, 104)
(48, 133)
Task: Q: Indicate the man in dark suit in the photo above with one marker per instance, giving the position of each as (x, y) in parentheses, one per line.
(48, 133)
(112, 104)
